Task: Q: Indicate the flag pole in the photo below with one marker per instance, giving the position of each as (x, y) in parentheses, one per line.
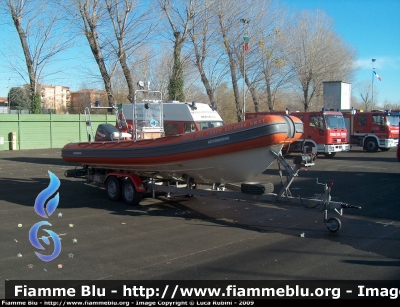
(245, 26)
(372, 99)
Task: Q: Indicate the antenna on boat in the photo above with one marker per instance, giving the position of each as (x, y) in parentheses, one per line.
(140, 85)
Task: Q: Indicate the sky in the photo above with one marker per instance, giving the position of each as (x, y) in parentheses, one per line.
(371, 27)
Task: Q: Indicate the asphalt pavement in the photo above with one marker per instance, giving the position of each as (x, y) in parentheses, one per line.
(199, 238)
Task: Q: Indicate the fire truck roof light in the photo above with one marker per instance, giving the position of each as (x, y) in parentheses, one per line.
(392, 113)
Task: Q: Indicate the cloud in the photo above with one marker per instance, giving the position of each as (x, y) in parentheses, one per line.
(380, 63)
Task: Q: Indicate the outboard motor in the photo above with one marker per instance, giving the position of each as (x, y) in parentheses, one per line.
(104, 132)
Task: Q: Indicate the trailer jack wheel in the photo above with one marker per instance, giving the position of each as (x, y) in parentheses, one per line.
(333, 224)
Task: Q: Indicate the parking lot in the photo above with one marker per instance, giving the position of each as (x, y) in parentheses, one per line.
(196, 238)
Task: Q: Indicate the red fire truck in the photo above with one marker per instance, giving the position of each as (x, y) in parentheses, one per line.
(372, 130)
(324, 131)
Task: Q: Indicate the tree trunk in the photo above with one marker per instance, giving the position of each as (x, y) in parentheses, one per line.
(126, 70)
(28, 57)
(253, 93)
(175, 87)
(204, 79)
(92, 38)
(232, 66)
(269, 97)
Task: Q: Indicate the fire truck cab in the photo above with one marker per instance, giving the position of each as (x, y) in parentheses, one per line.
(372, 130)
(324, 131)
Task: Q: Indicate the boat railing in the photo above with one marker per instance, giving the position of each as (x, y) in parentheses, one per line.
(88, 119)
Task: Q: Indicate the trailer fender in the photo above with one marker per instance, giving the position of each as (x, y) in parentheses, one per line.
(137, 181)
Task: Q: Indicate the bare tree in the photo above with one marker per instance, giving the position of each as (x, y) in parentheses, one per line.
(91, 13)
(200, 37)
(41, 39)
(206, 52)
(272, 50)
(317, 55)
(179, 13)
(154, 67)
(120, 90)
(132, 28)
(228, 21)
(365, 92)
(257, 20)
(387, 105)
(226, 103)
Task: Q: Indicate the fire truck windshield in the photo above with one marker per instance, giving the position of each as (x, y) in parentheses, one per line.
(334, 121)
(393, 121)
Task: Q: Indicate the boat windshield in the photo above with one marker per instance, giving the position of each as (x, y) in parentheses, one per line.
(334, 121)
(149, 115)
(209, 124)
(393, 121)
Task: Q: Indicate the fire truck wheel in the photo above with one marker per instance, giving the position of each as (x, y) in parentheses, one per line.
(113, 188)
(371, 145)
(329, 155)
(384, 149)
(129, 193)
(334, 224)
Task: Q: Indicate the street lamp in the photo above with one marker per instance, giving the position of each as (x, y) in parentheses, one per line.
(245, 48)
(372, 98)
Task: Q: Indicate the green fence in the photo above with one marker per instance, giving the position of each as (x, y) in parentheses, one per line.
(36, 131)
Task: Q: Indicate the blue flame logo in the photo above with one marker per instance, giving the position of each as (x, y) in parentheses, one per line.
(41, 210)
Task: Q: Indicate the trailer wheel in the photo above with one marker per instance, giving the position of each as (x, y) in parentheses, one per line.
(129, 194)
(329, 155)
(113, 188)
(257, 188)
(371, 145)
(334, 224)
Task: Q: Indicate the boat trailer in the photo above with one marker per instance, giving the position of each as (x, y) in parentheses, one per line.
(321, 202)
(133, 189)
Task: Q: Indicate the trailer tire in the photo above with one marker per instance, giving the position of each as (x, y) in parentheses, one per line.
(371, 145)
(257, 188)
(129, 194)
(269, 187)
(329, 155)
(113, 188)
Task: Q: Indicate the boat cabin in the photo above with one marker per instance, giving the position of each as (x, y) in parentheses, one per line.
(178, 117)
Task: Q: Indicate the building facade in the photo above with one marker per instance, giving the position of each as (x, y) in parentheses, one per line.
(85, 98)
(55, 98)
